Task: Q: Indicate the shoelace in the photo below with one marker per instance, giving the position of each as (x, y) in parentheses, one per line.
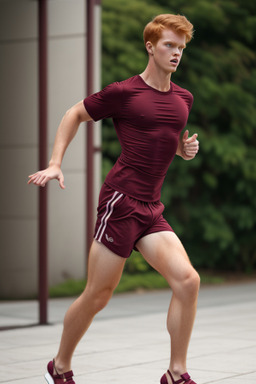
(185, 379)
(66, 377)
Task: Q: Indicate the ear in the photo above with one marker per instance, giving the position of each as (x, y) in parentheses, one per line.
(149, 47)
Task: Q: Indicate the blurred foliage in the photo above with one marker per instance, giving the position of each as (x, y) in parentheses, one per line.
(211, 200)
(135, 281)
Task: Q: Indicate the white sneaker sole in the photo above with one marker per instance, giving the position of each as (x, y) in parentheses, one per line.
(48, 378)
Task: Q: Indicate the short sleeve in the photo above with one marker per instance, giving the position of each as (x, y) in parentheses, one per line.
(106, 103)
(190, 101)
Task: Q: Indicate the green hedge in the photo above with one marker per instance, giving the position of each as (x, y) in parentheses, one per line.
(210, 201)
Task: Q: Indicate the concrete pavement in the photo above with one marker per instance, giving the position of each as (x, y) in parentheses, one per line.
(128, 342)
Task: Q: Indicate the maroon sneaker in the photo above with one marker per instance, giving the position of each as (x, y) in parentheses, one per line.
(57, 378)
(185, 379)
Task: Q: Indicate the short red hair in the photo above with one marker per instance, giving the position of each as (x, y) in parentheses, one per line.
(178, 23)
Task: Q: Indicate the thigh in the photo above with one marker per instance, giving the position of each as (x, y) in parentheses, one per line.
(166, 254)
(104, 268)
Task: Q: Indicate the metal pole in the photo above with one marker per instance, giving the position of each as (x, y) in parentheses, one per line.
(43, 241)
(90, 89)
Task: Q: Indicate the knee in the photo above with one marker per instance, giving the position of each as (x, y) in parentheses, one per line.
(97, 300)
(102, 299)
(191, 284)
(188, 287)
(194, 281)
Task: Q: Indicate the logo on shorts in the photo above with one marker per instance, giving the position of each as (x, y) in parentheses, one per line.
(109, 239)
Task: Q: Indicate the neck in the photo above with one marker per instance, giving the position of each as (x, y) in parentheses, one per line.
(156, 79)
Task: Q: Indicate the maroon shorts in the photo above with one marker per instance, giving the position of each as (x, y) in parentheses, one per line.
(122, 221)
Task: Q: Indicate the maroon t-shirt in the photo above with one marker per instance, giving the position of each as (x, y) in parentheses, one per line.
(148, 123)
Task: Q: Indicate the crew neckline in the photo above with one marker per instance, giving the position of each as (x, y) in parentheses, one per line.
(154, 89)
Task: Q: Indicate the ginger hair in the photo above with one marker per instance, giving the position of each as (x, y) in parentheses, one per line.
(178, 23)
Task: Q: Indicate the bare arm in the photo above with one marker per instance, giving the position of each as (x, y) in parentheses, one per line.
(65, 133)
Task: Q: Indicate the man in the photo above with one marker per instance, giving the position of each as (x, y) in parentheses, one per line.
(149, 112)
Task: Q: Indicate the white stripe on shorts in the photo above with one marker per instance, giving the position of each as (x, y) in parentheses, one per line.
(109, 210)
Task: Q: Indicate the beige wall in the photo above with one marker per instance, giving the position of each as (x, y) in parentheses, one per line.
(19, 143)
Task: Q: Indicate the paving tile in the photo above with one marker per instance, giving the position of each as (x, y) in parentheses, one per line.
(132, 345)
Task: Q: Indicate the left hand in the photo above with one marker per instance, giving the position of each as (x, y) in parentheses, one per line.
(189, 146)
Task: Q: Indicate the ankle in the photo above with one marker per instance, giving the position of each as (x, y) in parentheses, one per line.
(61, 367)
(177, 371)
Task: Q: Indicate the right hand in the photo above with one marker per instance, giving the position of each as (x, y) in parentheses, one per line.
(40, 178)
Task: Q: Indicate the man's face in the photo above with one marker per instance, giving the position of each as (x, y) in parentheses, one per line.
(167, 52)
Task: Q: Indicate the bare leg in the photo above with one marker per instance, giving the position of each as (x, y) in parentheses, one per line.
(165, 253)
(104, 272)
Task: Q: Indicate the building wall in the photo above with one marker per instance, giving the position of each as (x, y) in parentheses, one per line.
(19, 143)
